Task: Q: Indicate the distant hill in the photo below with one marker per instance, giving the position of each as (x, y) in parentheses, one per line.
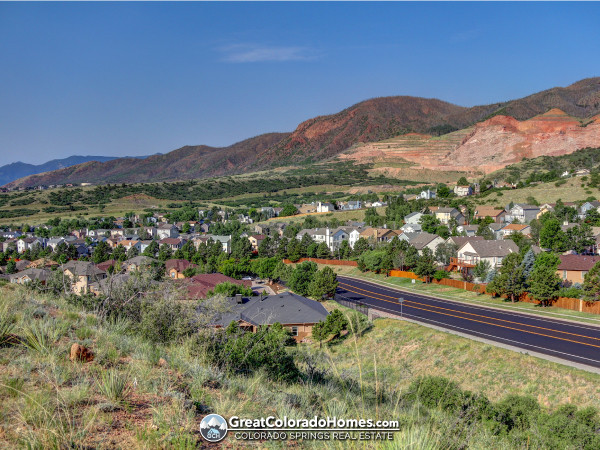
(14, 171)
(327, 136)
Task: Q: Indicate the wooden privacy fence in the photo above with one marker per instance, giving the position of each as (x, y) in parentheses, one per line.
(574, 304)
(332, 262)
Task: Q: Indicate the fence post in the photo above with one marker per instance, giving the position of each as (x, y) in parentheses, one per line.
(580, 305)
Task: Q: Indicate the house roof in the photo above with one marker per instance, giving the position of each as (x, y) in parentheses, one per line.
(140, 260)
(420, 240)
(515, 226)
(488, 211)
(32, 274)
(170, 241)
(82, 268)
(178, 264)
(462, 240)
(285, 308)
(577, 262)
(106, 264)
(488, 249)
(199, 285)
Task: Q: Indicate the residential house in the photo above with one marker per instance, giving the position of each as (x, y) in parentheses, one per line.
(427, 195)
(493, 252)
(175, 267)
(375, 235)
(28, 275)
(296, 313)
(459, 241)
(511, 228)
(468, 230)
(444, 215)
(29, 243)
(325, 207)
(14, 234)
(413, 218)
(350, 205)
(225, 241)
(463, 191)
(411, 228)
(166, 230)
(497, 215)
(522, 213)
(117, 232)
(100, 232)
(54, 242)
(589, 206)
(82, 274)
(255, 240)
(573, 268)
(354, 236)
(199, 285)
(128, 244)
(144, 245)
(424, 240)
(137, 263)
(261, 229)
(173, 243)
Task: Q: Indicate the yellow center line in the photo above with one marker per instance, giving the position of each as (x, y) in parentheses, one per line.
(476, 315)
(488, 323)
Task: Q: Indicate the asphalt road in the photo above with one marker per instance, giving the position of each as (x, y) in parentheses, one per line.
(579, 343)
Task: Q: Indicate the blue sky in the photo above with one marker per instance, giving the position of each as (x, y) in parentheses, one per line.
(140, 78)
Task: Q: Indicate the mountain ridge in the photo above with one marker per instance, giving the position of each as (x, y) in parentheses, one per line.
(323, 137)
(14, 171)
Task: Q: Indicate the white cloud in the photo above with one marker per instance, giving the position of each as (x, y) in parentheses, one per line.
(248, 53)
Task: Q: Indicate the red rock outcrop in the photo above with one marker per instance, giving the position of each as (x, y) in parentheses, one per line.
(489, 145)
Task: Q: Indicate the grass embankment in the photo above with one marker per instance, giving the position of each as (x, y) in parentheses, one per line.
(571, 191)
(397, 351)
(461, 295)
(140, 395)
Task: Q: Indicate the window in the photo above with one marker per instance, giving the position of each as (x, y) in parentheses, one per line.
(564, 274)
(294, 331)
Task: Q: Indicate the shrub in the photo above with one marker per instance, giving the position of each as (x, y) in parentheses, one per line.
(39, 336)
(440, 275)
(230, 289)
(238, 351)
(516, 412)
(165, 320)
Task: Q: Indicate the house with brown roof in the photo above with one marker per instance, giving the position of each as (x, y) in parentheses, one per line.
(573, 268)
(512, 228)
(175, 267)
(487, 211)
(375, 235)
(173, 243)
(199, 285)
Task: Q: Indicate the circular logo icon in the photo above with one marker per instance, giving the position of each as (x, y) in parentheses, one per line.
(213, 428)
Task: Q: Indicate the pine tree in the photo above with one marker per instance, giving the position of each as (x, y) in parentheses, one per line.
(591, 284)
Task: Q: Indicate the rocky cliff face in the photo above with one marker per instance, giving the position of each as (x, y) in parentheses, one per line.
(489, 145)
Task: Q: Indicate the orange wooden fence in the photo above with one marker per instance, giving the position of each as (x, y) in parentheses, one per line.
(574, 304)
(333, 262)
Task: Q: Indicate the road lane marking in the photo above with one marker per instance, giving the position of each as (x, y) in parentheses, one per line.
(472, 314)
(488, 323)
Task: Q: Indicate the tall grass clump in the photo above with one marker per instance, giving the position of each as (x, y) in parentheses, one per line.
(114, 386)
(39, 336)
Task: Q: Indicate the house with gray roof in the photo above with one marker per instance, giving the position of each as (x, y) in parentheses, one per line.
(294, 312)
(474, 251)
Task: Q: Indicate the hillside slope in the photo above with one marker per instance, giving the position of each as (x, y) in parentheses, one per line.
(487, 146)
(326, 136)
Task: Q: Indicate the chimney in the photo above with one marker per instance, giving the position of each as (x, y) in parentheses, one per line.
(238, 298)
